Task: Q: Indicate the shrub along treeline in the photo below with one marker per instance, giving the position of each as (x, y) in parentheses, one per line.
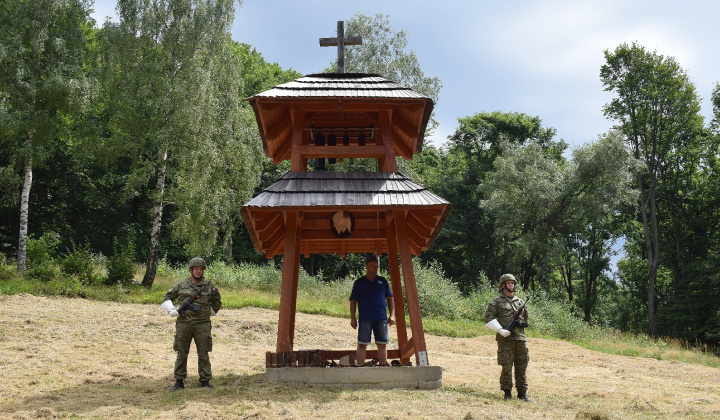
(445, 309)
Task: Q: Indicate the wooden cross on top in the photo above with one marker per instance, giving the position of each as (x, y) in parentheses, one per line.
(340, 41)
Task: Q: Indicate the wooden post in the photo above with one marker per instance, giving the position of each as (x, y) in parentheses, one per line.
(395, 280)
(411, 294)
(296, 163)
(295, 275)
(289, 282)
(387, 164)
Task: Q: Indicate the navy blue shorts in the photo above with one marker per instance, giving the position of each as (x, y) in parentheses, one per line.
(377, 327)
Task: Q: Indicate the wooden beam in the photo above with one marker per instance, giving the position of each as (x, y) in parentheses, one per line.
(395, 279)
(323, 222)
(312, 151)
(411, 293)
(407, 349)
(417, 226)
(317, 235)
(404, 149)
(274, 246)
(265, 106)
(288, 289)
(405, 128)
(430, 213)
(416, 239)
(284, 151)
(284, 124)
(262, 217)
(414, 218)
(271, 224)
(296, 273)
(388, 161)
(295, 158)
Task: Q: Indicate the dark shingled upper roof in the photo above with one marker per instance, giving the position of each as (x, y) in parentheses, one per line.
(345, 85)
(356, 87)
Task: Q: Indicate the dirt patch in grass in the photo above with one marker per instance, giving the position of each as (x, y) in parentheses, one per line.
(85, 359)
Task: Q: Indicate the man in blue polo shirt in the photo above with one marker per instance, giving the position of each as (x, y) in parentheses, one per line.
(371, 295)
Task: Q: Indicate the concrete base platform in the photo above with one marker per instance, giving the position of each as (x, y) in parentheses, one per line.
(417, 377)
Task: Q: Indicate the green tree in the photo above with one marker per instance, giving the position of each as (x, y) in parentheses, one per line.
(603, 186)
(174, 87)
(467, 245)
(544, 206)
(657, 111)
(42, 85)
(385, 52)
(257, 74)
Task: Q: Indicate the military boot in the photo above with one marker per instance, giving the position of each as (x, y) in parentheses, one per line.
(508, 395)
(206, 384)
(179, 384)
(523, 397)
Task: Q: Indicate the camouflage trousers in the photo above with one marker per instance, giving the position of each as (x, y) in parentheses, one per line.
(185, 333)
(513, 352)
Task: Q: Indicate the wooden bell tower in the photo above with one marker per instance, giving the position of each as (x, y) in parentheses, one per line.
(339, 116)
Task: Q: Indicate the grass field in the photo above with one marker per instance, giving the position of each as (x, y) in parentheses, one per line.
(79, 358)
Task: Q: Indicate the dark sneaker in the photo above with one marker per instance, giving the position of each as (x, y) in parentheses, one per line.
(524, 397)
(206, 384)
(508, 395)
(178, 385)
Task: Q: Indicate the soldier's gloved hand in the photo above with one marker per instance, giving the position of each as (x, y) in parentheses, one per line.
(173, 312)
(504, 332)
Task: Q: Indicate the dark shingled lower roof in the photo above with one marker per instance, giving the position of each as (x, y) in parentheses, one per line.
(332, 189)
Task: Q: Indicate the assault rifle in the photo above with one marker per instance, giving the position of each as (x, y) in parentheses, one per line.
(514, 322)
(189, 305)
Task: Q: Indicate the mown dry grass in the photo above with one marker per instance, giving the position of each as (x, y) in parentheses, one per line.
(74, 358)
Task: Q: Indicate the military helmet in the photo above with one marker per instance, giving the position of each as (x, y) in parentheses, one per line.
(197, 262)
(504, 278)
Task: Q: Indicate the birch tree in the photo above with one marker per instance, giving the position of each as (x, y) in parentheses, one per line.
(42, 50)
(175, 89)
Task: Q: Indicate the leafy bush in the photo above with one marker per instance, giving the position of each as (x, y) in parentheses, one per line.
(264, 278)
(120, 266)
(438, 296)
(555, 319)
(7, 271)
(477, 301)
(40, 261)
(167, 270)
(79, 262)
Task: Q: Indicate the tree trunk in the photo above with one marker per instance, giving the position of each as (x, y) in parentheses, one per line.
(650, 229)
(567, 274)
(544, 283)
(229, 242)
(653, 261)
(151, 267)
(24, 208)
(678, 268)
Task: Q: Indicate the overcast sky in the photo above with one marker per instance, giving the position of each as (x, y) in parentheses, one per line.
(541, 58)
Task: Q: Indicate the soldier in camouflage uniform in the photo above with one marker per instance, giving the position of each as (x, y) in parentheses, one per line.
(194, 325)
(512, 349)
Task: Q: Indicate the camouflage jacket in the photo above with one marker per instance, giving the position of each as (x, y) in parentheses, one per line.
(209, 298)
(503, 309)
